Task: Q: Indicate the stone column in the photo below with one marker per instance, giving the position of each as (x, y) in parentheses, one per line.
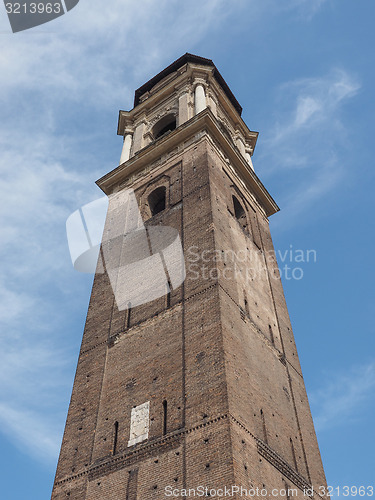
(249, 160)
(200, 98)
(125, 155)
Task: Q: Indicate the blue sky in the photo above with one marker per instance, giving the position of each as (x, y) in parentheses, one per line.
(303, 71)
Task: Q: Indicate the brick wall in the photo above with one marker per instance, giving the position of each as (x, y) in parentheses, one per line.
(221, 353)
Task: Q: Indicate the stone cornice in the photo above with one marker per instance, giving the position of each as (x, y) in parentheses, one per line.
(157, 446)
(180, 66)
(139, 452)
(204, 122)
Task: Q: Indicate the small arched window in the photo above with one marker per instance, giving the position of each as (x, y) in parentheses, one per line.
(156, 200)
(239, 213)
(164, 126)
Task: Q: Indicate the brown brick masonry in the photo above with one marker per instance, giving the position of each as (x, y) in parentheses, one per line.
(173, 440)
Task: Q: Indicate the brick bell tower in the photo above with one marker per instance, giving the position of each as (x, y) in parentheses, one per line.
(200, 386)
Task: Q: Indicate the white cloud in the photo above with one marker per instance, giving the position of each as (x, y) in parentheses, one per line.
(44, 74)
(305, 8)
(342, 399)
(307, 146)
(312, 103)
(309, 191)
(306, 107)
(13, 305)
(32, 432)
(46, 172)
(68, 61)
(32, 374)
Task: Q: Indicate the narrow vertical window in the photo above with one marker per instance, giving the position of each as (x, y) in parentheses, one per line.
(165, 416)
(132, 486)
(272, 338)
(169, 287)
(294, 455)
(287, 490)
(264, 427)
(128, 315)
(115, 436)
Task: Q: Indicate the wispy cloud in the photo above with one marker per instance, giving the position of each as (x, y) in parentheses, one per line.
(33, 369)
(305, 8)
(343, 398)
(313, 103)
(32, 432)
(70, 63)
(308, 143)
(46, 172)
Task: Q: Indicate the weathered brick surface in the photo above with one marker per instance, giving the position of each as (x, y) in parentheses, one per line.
(222, 354)
(265, 387)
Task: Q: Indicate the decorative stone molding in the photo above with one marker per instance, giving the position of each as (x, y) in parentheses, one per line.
(204, 124)
(274, 459)
(249, 160)
(164, 111)
(145, 450)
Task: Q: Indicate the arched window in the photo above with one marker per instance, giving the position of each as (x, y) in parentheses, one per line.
(239, 213)
(164, 126)
(156, 200)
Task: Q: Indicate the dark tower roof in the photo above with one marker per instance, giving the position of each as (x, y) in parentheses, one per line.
(175, 66)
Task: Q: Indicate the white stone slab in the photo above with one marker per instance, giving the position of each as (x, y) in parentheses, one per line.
(139, 424)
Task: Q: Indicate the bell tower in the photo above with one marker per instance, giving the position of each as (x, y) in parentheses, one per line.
(188, 375)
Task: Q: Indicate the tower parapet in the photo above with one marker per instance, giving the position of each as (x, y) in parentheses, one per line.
(184, 89)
